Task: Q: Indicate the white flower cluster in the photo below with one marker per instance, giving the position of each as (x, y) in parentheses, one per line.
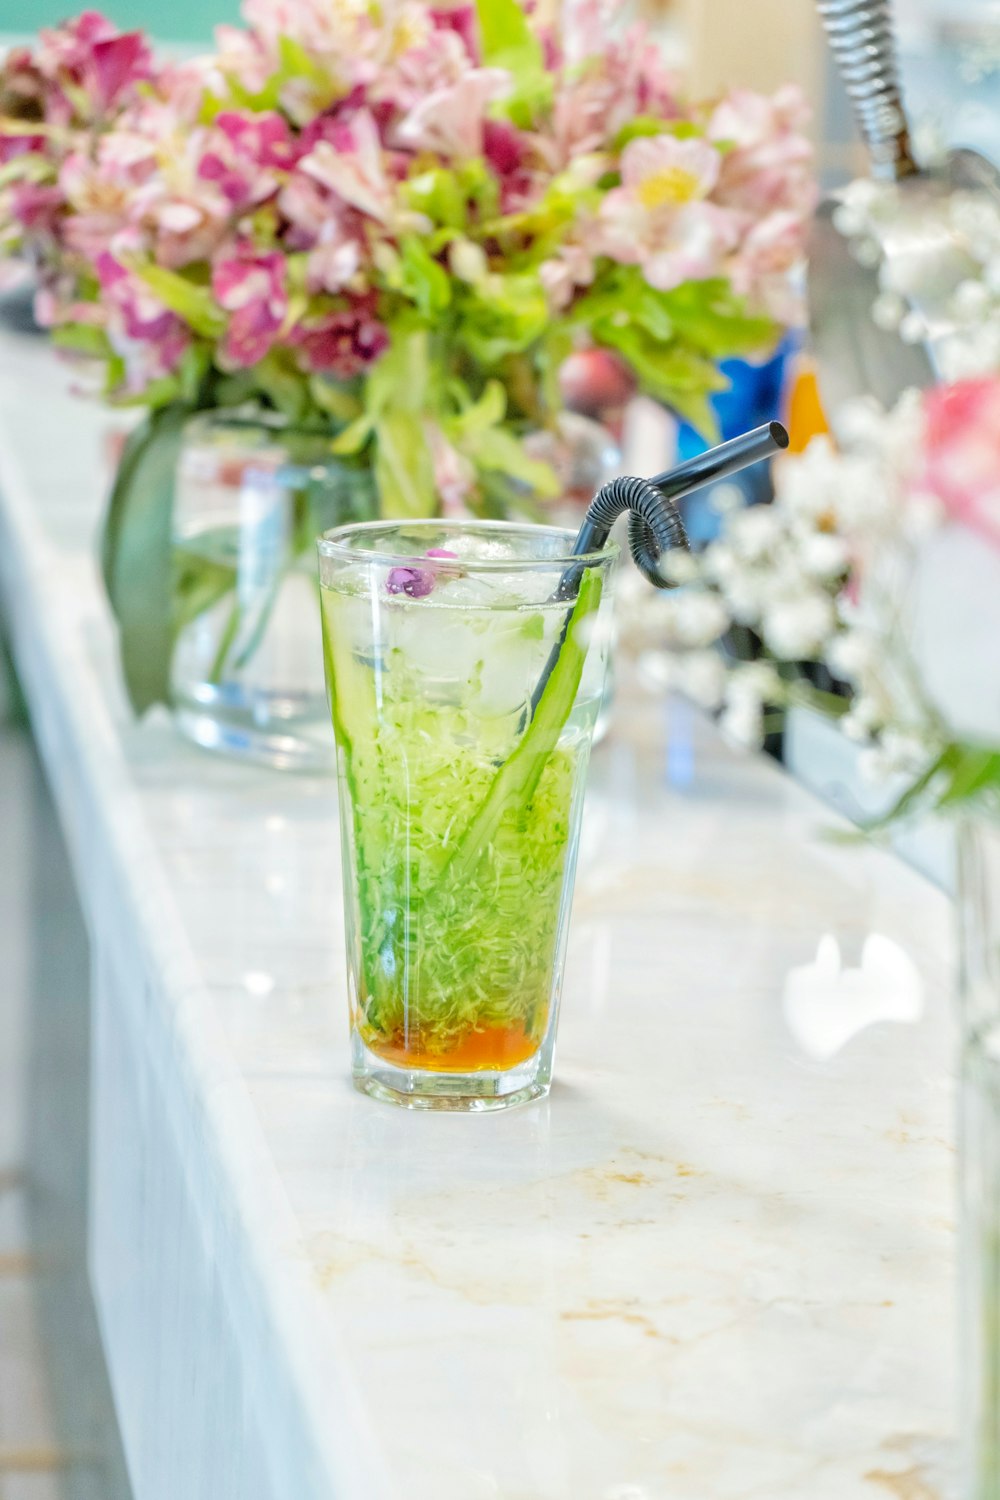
(866, 216)
(789, 573)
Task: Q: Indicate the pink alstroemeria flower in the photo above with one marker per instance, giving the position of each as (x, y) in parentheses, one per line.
(354, 168)
(251, 288)
(143, 316)
(35, 206)
(769, 161)
(93, 53)
(461, 19)
(961, 458)
(450, 121)
(659, 218)
(341, 343)
(243, 154)
(760, 269)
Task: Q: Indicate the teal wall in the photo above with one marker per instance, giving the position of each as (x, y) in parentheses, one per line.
(177, 20)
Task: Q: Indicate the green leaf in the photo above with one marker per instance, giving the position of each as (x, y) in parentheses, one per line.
(261, 100)
(959, 774)
(355, 435)
(715, 320)
(438, 194)
(671, 373)
(333, 397)
(423, 280)
(82, 338)
(508, 41)
(282, 382)
(30, 166)
(490, 409)
(972, 770)
(499, 450)
(506, 315)
(506, 38)
(137, 553)
(401, 377)
(194, 304)
(404, 471)
(646, 125)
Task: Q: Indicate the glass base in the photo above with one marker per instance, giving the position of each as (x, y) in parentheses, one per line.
(305, 746)
(467, 1093)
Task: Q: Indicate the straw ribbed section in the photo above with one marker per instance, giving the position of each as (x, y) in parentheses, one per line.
(861, 37)
(654, 524)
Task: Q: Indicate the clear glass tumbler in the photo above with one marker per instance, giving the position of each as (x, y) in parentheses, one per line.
(464, 697)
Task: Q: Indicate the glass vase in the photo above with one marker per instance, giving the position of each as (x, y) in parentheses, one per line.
(979, 935)
(252, 496)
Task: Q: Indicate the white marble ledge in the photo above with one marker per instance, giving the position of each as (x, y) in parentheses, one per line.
(709, 1266)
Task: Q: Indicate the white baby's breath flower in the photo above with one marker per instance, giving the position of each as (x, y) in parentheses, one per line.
(823, 555)
(849, 654)
(849, 219)
(971, 300)
(658, 671)
(725, 498)
(906, 754)
(678, 566)
(702, 677)
(753, 532)
(888, 311)
(912, 328)
(873, 765)
(754, 681)
(861, 719)
(866, 251)
(924, 514)
(743, 722)
(695, 618)
(859, 423)
(797, 629)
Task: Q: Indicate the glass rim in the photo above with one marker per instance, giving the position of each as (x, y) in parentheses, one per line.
(328, 545)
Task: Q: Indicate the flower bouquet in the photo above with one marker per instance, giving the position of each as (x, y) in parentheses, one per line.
(389, 225)
(873, 586)
(878, 564)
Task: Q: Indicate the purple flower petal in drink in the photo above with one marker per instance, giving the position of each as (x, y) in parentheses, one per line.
(439, 552)
(414, 582)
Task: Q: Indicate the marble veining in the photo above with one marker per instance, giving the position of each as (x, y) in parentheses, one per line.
(713, 1264)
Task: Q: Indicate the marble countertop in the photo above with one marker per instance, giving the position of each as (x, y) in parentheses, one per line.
(713, 1264)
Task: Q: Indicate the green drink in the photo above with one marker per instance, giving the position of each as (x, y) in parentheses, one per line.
(460, 802)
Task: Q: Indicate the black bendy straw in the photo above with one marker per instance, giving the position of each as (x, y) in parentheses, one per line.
(655, 526)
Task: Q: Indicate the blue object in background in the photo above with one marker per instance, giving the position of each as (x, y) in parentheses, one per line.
(754, 396)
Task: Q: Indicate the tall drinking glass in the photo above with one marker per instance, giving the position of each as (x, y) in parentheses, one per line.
(464, 698)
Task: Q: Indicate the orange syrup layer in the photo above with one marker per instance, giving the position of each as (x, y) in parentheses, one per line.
(491, 1049)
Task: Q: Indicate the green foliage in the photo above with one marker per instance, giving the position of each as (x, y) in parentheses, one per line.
(137, 554)
(439, 194)
(509, 42)
(422, 279)
(404, 471)
(507, 315)
(495, 448)
(192, 303)
(673, 340)
(960, 774)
